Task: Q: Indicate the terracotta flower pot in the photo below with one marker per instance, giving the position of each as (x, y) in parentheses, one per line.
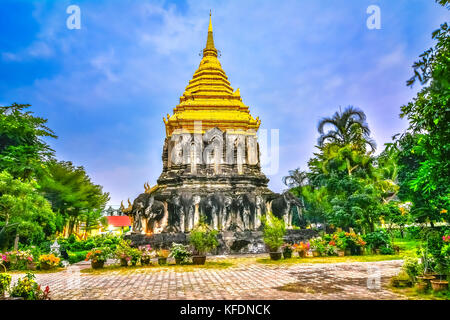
(275, 255)
(422, 286)
(316, 253)
(341, 253)
(287, 254)
(145, 262)
(45, 266)
(302, 253)
(162, 261)
(97, 264)
(439, 285)
(201, 259)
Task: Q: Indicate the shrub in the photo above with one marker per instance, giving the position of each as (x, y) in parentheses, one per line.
(273, 232)
(387, 250)
(411, 267)
(5, 281)
(78, 256)
(378, 239)
(203, 239)
(29, 289)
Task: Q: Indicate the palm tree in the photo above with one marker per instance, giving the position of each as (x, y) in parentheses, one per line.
(349, 128)
(296, 178)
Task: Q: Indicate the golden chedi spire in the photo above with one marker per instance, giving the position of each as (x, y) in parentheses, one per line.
(209, 98)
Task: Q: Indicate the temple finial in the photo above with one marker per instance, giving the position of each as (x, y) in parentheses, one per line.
(210, 24)
(210, 40)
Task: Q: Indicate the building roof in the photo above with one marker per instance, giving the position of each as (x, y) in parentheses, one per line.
(119, 221)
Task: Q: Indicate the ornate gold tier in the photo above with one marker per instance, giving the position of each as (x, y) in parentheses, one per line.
(209, 98)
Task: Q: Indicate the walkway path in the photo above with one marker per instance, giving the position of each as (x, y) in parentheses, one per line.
(243, 281)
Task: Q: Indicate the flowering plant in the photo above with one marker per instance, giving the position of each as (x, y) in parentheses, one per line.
(5, 281)
(179, 252)
(7, 257)
(319, 245)
(29, 289)
(446, 238)
(302, 246)
(123, 250)
(98, 255)
(147, 252)
(49, 260)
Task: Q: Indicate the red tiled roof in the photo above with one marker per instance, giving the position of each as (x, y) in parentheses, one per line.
(119, 221)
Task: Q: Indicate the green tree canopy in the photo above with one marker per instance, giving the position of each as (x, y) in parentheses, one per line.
(22, 148)
(23, 211)
(72, 193)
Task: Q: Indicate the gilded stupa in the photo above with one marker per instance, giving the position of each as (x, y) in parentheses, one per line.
(209, 98)
(211, 161)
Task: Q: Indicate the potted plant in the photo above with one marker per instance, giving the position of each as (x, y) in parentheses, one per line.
(5, 282)
(440, 284)
(318, 246)
(162, 256)
(179, 252)
(49, 261)
(302, 248)
(411, 267)
(273, 233)
(287, 249)
(98, 257)
(122, 252)
(146, 255)
(202, 240)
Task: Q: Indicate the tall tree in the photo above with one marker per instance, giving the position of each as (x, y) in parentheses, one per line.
(71, 192)
(22, 148)
(348, 128)
(425, 147)
(24, 212)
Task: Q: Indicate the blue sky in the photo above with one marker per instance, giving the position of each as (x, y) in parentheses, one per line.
(106, 87)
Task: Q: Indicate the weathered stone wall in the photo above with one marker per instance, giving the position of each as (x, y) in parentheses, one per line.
(229, 242)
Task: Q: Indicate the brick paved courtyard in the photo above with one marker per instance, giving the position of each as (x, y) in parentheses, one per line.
(244, 280)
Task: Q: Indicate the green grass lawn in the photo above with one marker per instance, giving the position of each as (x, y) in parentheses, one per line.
(331, 259)
(414, 294)
(407, 246)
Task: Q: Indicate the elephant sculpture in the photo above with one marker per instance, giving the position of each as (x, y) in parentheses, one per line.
(282, 207)
(182, 207)
(216, 209)
(137, 211)
(245, 210)
(154, 213)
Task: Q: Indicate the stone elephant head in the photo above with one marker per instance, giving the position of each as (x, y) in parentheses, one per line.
(282, 205)
(154, 213)
(138, 211)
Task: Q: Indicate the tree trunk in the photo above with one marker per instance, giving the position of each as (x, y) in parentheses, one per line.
(16, 242)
